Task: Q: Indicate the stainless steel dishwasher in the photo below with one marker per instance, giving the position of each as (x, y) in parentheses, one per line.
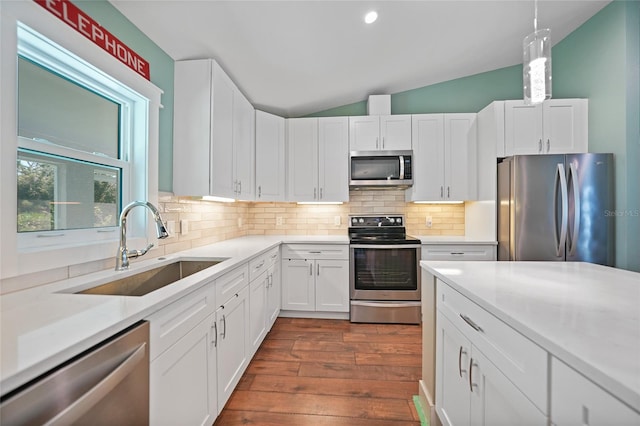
(106, 385)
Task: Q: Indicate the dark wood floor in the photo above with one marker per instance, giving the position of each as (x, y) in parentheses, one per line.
(330, 372)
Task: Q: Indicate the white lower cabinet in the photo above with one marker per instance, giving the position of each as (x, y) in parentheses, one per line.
(274, 288)
(183, 380)
(315, 278)
(233, 343)
(470, 389)
(182, 371)
(258, 310)
(575, 400)
(486, 372)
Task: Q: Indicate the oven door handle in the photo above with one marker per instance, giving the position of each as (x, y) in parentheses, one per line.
(385, 305)
(384, 246)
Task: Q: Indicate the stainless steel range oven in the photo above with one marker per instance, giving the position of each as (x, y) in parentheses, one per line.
(384, 274)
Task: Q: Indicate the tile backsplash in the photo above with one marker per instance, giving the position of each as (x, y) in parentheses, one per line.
(208, 222)
(213, 221)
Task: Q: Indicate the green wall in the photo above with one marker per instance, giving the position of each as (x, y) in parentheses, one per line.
(600, 61)
(161, 69)
(467, 94)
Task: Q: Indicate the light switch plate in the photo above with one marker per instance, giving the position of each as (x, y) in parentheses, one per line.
(429, 222)
(337, 220)
(184, 227)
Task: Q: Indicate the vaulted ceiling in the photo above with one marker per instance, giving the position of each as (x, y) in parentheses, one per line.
(293, 58)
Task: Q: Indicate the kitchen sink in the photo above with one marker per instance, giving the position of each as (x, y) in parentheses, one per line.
(151, 280)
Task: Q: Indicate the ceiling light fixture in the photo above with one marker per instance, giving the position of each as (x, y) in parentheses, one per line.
(371, 17)
(536, 63)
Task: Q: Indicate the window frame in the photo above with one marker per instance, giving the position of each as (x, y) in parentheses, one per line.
(17, 259)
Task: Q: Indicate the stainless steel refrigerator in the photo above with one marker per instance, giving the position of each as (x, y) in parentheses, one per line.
(556, 207)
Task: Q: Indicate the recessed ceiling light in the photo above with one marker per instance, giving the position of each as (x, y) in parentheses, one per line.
(371, 17)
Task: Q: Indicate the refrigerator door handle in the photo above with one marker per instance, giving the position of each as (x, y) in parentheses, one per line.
(561, 239)
(572, 237)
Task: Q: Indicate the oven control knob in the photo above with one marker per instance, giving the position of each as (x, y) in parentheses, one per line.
(399, 221)
(361, 220)
(354, 220)
(391, 220)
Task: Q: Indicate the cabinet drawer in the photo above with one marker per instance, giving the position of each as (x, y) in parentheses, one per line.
(524, 362)
(171, 323)
(577, 400)
(231, 283)
(458, 252)
(261, 263)
(315, 251)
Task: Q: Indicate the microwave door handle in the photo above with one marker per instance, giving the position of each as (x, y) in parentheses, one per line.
(401, 177)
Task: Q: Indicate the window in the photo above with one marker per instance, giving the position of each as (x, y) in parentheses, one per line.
(73, 162)
(79, 134)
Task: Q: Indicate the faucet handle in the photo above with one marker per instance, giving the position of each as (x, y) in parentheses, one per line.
(132, 254)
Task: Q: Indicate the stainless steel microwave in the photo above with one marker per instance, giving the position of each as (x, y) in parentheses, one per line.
(380, 169)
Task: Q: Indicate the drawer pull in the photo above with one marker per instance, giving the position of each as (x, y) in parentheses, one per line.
(260, 265)
(462, 351)
(457, 253)
(472, 324)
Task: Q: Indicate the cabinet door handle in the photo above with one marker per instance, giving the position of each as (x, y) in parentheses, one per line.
(383, 142)
(540, 145)
(448, 192)
(321, 193)
(318, 269)
(314, 193)
(240, 186)
(224, 327)
(471, 384)
(462, 351)
(311, 269)
(472, 324)
(377, 143)
(214, 329)
(442, 192)
(548, 145)
(259, 191)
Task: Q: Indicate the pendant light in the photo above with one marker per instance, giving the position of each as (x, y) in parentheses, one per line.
(536, 63)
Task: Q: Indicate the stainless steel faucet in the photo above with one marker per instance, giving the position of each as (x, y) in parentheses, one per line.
(124, 254)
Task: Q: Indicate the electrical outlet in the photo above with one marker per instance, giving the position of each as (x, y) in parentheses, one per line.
(171, 227)
(279, 221)
(429, 222)
(337, 220)
(240, 222)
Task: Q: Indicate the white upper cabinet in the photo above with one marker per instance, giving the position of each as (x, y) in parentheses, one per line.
(318, 159)
(380, 132)
(555, 126)
(214, 130)
(444, 155)
(270, 157)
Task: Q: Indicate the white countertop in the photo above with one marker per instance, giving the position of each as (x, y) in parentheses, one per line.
(443, 239)
(584, 314)
(42, 327)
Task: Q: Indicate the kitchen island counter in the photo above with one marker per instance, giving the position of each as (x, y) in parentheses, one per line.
(44, 326)
(584, 314)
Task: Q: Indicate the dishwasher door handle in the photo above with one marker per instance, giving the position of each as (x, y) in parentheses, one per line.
(83, 404)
